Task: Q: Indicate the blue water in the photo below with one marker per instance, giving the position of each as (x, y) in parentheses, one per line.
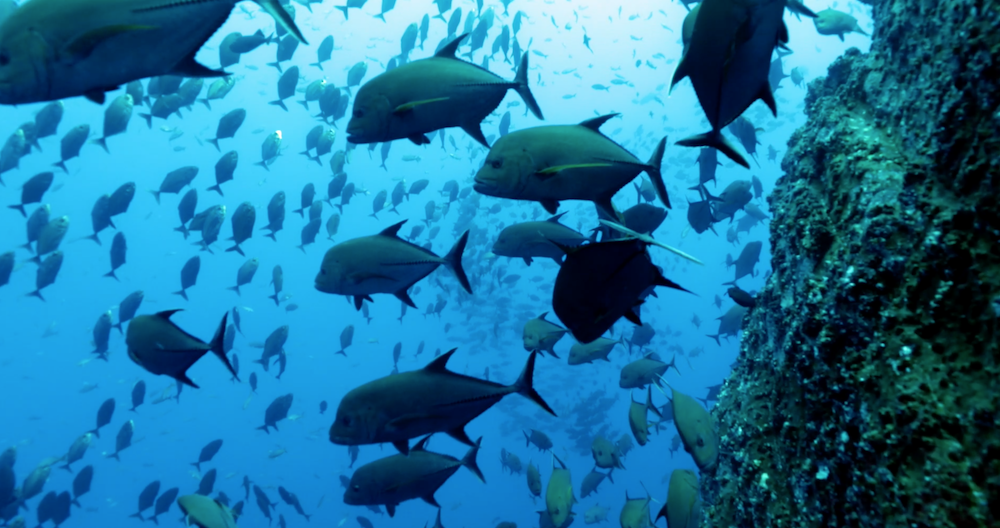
(45, 409)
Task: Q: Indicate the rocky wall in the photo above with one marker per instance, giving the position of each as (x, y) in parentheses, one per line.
(868, 387)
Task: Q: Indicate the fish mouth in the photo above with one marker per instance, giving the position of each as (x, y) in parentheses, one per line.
(483, 186)
(339, 440)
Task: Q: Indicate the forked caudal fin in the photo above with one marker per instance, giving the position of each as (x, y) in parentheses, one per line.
(521, 79)
(716, 140)
(216, 346)
(454, 261)
(525, 386)
(469, 460)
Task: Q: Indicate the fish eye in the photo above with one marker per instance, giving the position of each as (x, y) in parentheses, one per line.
(356, 487)
(359, 114)
(346, 421)
(496, 164)
(322, 272)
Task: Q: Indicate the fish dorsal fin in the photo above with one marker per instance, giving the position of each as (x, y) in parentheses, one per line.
(448, 51)
(555, 219)
(422, 444)
(440, 363)
(595, 123)
(556, 459)
(392, 230)
(542, 317)
(165, 314)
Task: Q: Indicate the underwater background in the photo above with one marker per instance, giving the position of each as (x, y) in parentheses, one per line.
(53, 384)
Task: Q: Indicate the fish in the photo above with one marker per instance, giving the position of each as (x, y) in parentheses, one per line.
(426, 95)
(433, 399)
(531, 240)
(541, 336)
(559, 497)
(205, 512)
(683, 506)
(565, 162)
(833, 22)
(384, 263)
(637, 420)
(160, 347)
(728, 60)
(697, 431)
(397, 478)
(601, 282)
(54, 49)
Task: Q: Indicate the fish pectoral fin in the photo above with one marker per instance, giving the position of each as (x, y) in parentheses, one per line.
(81, 47)
(391, 508)
(358, 278)
(406, 421)
(406, 107)
(548, 172)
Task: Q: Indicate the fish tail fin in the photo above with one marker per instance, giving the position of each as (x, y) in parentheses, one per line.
(525, 386)
(653, 169)
(182, 293)
(112, 275)
(216, 143)
(344, 9)
(115, 456)
(183, 230)
(234, 288)
(275, 297)
(469, 461)
(216, 188)
(454, 261)
(62, 165)
(148, 118)
(206, 103)
(716, 140)
(118, 325)
(521, 79)
(281, 17)
(279, 103)
(37, 293)
(103, 142)
(18, 207)
(716, 338)
(239, 250)
(156, 194)
(76, 503)
(217, 345)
